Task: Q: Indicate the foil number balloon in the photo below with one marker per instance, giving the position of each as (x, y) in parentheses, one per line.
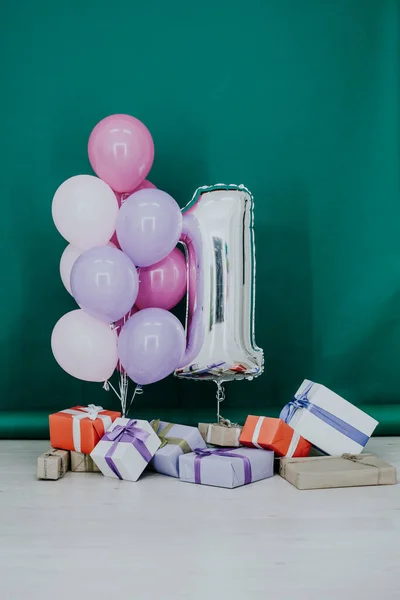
(219, 240)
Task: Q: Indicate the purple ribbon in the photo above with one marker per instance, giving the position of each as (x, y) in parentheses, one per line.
(128, 434)
(203, 452)
(302, 401)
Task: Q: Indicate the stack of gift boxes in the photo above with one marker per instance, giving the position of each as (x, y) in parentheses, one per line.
(90, 439)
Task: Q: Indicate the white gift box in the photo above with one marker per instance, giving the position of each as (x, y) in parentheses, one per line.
(327, 420)
(126, 449)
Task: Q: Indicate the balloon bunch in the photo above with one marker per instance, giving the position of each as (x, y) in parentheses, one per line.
(121, 265)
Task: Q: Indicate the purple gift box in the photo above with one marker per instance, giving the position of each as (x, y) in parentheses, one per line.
(175, 441)
(226, 467)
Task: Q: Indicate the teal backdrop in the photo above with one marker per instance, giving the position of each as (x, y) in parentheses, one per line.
(298, 100)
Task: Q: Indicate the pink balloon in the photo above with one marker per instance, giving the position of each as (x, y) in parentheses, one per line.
(119, 197)
(114, 240)
(192, 274)
(121, 152)
(163, 284)
(146, 185)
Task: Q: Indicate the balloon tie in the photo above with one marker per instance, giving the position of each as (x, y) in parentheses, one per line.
(124, 196)
(108, 385)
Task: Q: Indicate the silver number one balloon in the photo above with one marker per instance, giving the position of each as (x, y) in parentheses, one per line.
(219, 239)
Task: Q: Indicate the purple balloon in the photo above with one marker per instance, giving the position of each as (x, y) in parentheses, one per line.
(104, 282)
(149, 225)
(151, 345)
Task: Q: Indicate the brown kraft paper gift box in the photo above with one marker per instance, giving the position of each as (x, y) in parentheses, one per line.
(52, 464)
(224, 433)
(348, 470)
(83, 463)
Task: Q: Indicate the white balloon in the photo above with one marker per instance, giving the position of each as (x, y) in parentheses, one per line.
(84, 211)
(85, 347)
(68, 258)
(67, 261)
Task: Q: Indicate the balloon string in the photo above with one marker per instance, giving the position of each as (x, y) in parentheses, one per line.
(123, 387)
(137, 392)
(123, 383)
(123, 378)
(107, 385)
(220, 398)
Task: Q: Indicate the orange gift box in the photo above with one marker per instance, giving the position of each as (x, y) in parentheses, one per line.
(80, 428)
(273, 434)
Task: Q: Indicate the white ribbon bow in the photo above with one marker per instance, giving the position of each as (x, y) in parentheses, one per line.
(85, 412)
(92, 411)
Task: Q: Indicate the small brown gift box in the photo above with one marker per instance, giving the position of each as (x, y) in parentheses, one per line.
(52, 464)
(224, 433)
(83, 463)
(348, 470)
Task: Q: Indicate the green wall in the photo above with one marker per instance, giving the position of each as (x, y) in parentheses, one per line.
(297, 99)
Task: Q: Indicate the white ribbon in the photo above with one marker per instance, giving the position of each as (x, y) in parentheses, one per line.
(293, 444)
(85, 412)
(256, 432)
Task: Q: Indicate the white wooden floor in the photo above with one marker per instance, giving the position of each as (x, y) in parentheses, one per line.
(87, 536)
